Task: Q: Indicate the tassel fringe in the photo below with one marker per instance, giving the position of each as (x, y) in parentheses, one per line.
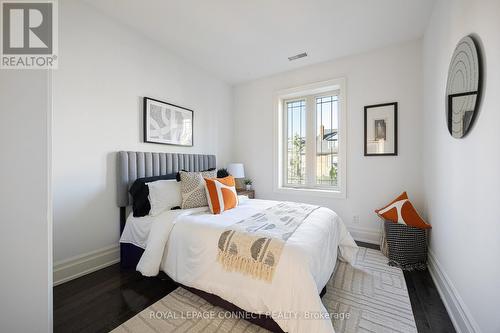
(247, 266)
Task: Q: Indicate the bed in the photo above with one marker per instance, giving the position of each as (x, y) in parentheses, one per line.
(183, 244)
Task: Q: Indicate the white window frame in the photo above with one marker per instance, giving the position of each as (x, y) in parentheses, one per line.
(310, 92)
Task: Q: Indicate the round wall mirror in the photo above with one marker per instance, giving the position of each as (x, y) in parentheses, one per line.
(463, 89)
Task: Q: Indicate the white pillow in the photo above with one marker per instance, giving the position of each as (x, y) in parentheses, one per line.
(163, 195)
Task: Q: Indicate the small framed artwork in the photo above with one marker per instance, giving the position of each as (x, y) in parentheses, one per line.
(381, 129)
(167, 123)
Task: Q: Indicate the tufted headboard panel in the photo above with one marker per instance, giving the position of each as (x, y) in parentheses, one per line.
(133, 165)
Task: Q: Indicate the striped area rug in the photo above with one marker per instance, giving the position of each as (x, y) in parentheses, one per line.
(367, 297)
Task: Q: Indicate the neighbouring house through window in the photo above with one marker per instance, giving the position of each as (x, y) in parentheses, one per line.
(311, 150)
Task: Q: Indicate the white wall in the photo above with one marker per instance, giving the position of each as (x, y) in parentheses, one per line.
(104, 71)
(384, 75)
(462, 176)
(25, 240)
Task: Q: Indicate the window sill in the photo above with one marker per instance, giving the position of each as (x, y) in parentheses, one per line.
(318, 192)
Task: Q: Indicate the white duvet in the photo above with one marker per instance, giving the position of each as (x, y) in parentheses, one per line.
(183, 244)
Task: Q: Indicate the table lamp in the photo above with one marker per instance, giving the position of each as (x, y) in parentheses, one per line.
(237, 171)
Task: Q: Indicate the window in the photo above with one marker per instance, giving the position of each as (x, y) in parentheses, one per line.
(327, 148)
(311, 145)
(296, 142)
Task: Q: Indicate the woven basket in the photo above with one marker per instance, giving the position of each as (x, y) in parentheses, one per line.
(383, 245)
(407, 246)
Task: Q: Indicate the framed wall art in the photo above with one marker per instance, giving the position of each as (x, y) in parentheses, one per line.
(167, 123)
(381, 129)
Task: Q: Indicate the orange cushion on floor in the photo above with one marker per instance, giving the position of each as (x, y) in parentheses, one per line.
(221, 194)
(400, 210)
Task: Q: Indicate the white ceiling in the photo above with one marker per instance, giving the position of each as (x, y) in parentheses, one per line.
(239, 40)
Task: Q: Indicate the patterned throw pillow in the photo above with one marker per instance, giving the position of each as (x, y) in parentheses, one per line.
(400, 210)
(221, 194)
(193, 188)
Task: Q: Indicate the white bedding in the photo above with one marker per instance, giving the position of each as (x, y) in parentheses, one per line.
(136, 230)
(183, 244)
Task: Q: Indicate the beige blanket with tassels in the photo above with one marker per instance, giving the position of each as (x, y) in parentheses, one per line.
(253, 246)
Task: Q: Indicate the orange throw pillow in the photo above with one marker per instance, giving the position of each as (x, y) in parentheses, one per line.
(221, 194)
(400, 210)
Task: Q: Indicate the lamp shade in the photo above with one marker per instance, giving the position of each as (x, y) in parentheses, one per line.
(236, 170)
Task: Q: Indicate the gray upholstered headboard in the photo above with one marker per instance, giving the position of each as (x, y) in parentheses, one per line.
(133, 165)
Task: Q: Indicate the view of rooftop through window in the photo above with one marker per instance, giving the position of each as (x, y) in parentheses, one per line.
(327, 140)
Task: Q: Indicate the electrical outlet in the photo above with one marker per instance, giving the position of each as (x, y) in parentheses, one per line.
(355, 219)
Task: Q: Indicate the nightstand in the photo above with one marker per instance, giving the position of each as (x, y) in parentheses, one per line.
(249, 193)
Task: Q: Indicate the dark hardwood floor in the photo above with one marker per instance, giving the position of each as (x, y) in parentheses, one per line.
(100, 301)
(428, 309)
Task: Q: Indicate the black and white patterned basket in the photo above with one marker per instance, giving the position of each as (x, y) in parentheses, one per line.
(407, 246)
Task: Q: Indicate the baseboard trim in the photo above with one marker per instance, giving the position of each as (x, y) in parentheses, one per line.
(72, 268)
(459, 313)
(366, 235)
